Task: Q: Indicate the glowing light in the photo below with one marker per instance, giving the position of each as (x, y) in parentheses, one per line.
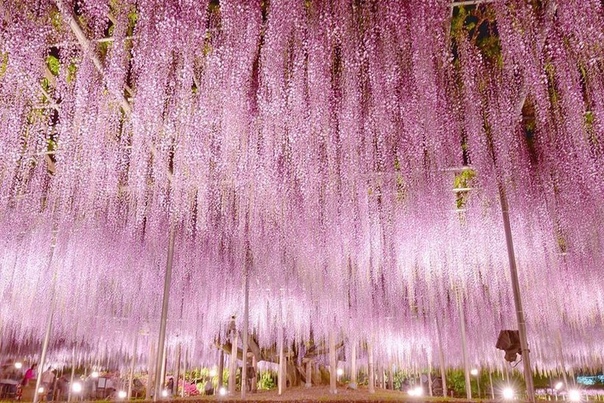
(416, 391)
(164, 393)
(76, 387)
(340, 372)
(508, 393)
(559, 386)
(18, 365)
(213, 372)
(222, 391)
(122, 394)
(40, 390)
(474, 372)
(574, 395)
(94, 374)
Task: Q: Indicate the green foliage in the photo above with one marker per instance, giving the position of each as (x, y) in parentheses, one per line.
(478, 24)
(267, 381)
(456, 381)
(72, 69)
(589, 119)
(550, 71)
(132, 19)
(3, 63)
(399, 378)
(103, 49)
(458, 21)
(463, 180)
(45, 86)
(53, 64)
(56, 19)
(490, 46)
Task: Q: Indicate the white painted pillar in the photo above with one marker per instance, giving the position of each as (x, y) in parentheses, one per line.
(308, 373)
(370, 368)
(353, 366)
(332, 364)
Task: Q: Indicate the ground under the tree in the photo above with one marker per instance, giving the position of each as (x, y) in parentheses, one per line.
(321, 394)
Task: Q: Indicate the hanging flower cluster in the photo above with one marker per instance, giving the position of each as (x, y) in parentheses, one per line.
(347, 155)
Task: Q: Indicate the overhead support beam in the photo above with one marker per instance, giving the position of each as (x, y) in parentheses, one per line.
(470, 2)
(89, 51)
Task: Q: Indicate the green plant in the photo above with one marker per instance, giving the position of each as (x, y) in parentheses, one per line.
(267, 381)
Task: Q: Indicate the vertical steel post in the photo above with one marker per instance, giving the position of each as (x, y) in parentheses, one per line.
(526, 361)
(370, 367)
(161, 342)
(353, 366)
(51, 315)
(246, 313)
(333, 370)
(464, 347)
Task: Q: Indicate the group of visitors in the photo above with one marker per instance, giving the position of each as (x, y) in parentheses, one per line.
(18, 385)
(14, 384)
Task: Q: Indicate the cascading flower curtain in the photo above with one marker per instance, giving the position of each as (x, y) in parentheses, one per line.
(318, 144)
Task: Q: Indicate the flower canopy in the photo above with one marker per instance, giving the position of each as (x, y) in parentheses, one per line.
(347, 155)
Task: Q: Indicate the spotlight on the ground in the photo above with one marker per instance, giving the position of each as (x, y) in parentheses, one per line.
(164, 393)
(508, 393)
(574, 395)
(76, 387)
(222, 391)
(416, 391)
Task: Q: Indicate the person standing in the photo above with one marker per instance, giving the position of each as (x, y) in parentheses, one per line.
(30, 374)
(48, 380)
(28, 384)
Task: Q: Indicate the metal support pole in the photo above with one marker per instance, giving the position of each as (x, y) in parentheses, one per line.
(132, 363)
(151, 369)
(370, 368)
(233, 358)
(255, 378)
(73, 364)
(441, 359)
(464, 347)
(51, 314)
(562, 364)
(469, 2)
(308, 374)
(353, 366)
(220, 369)
(429, 375)
(333, 370)
(161, 342)
(246, 313)
(280, 380)
(164, 369)
(175, 385)
(491, 384)
(184, 373)
(528, 372)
